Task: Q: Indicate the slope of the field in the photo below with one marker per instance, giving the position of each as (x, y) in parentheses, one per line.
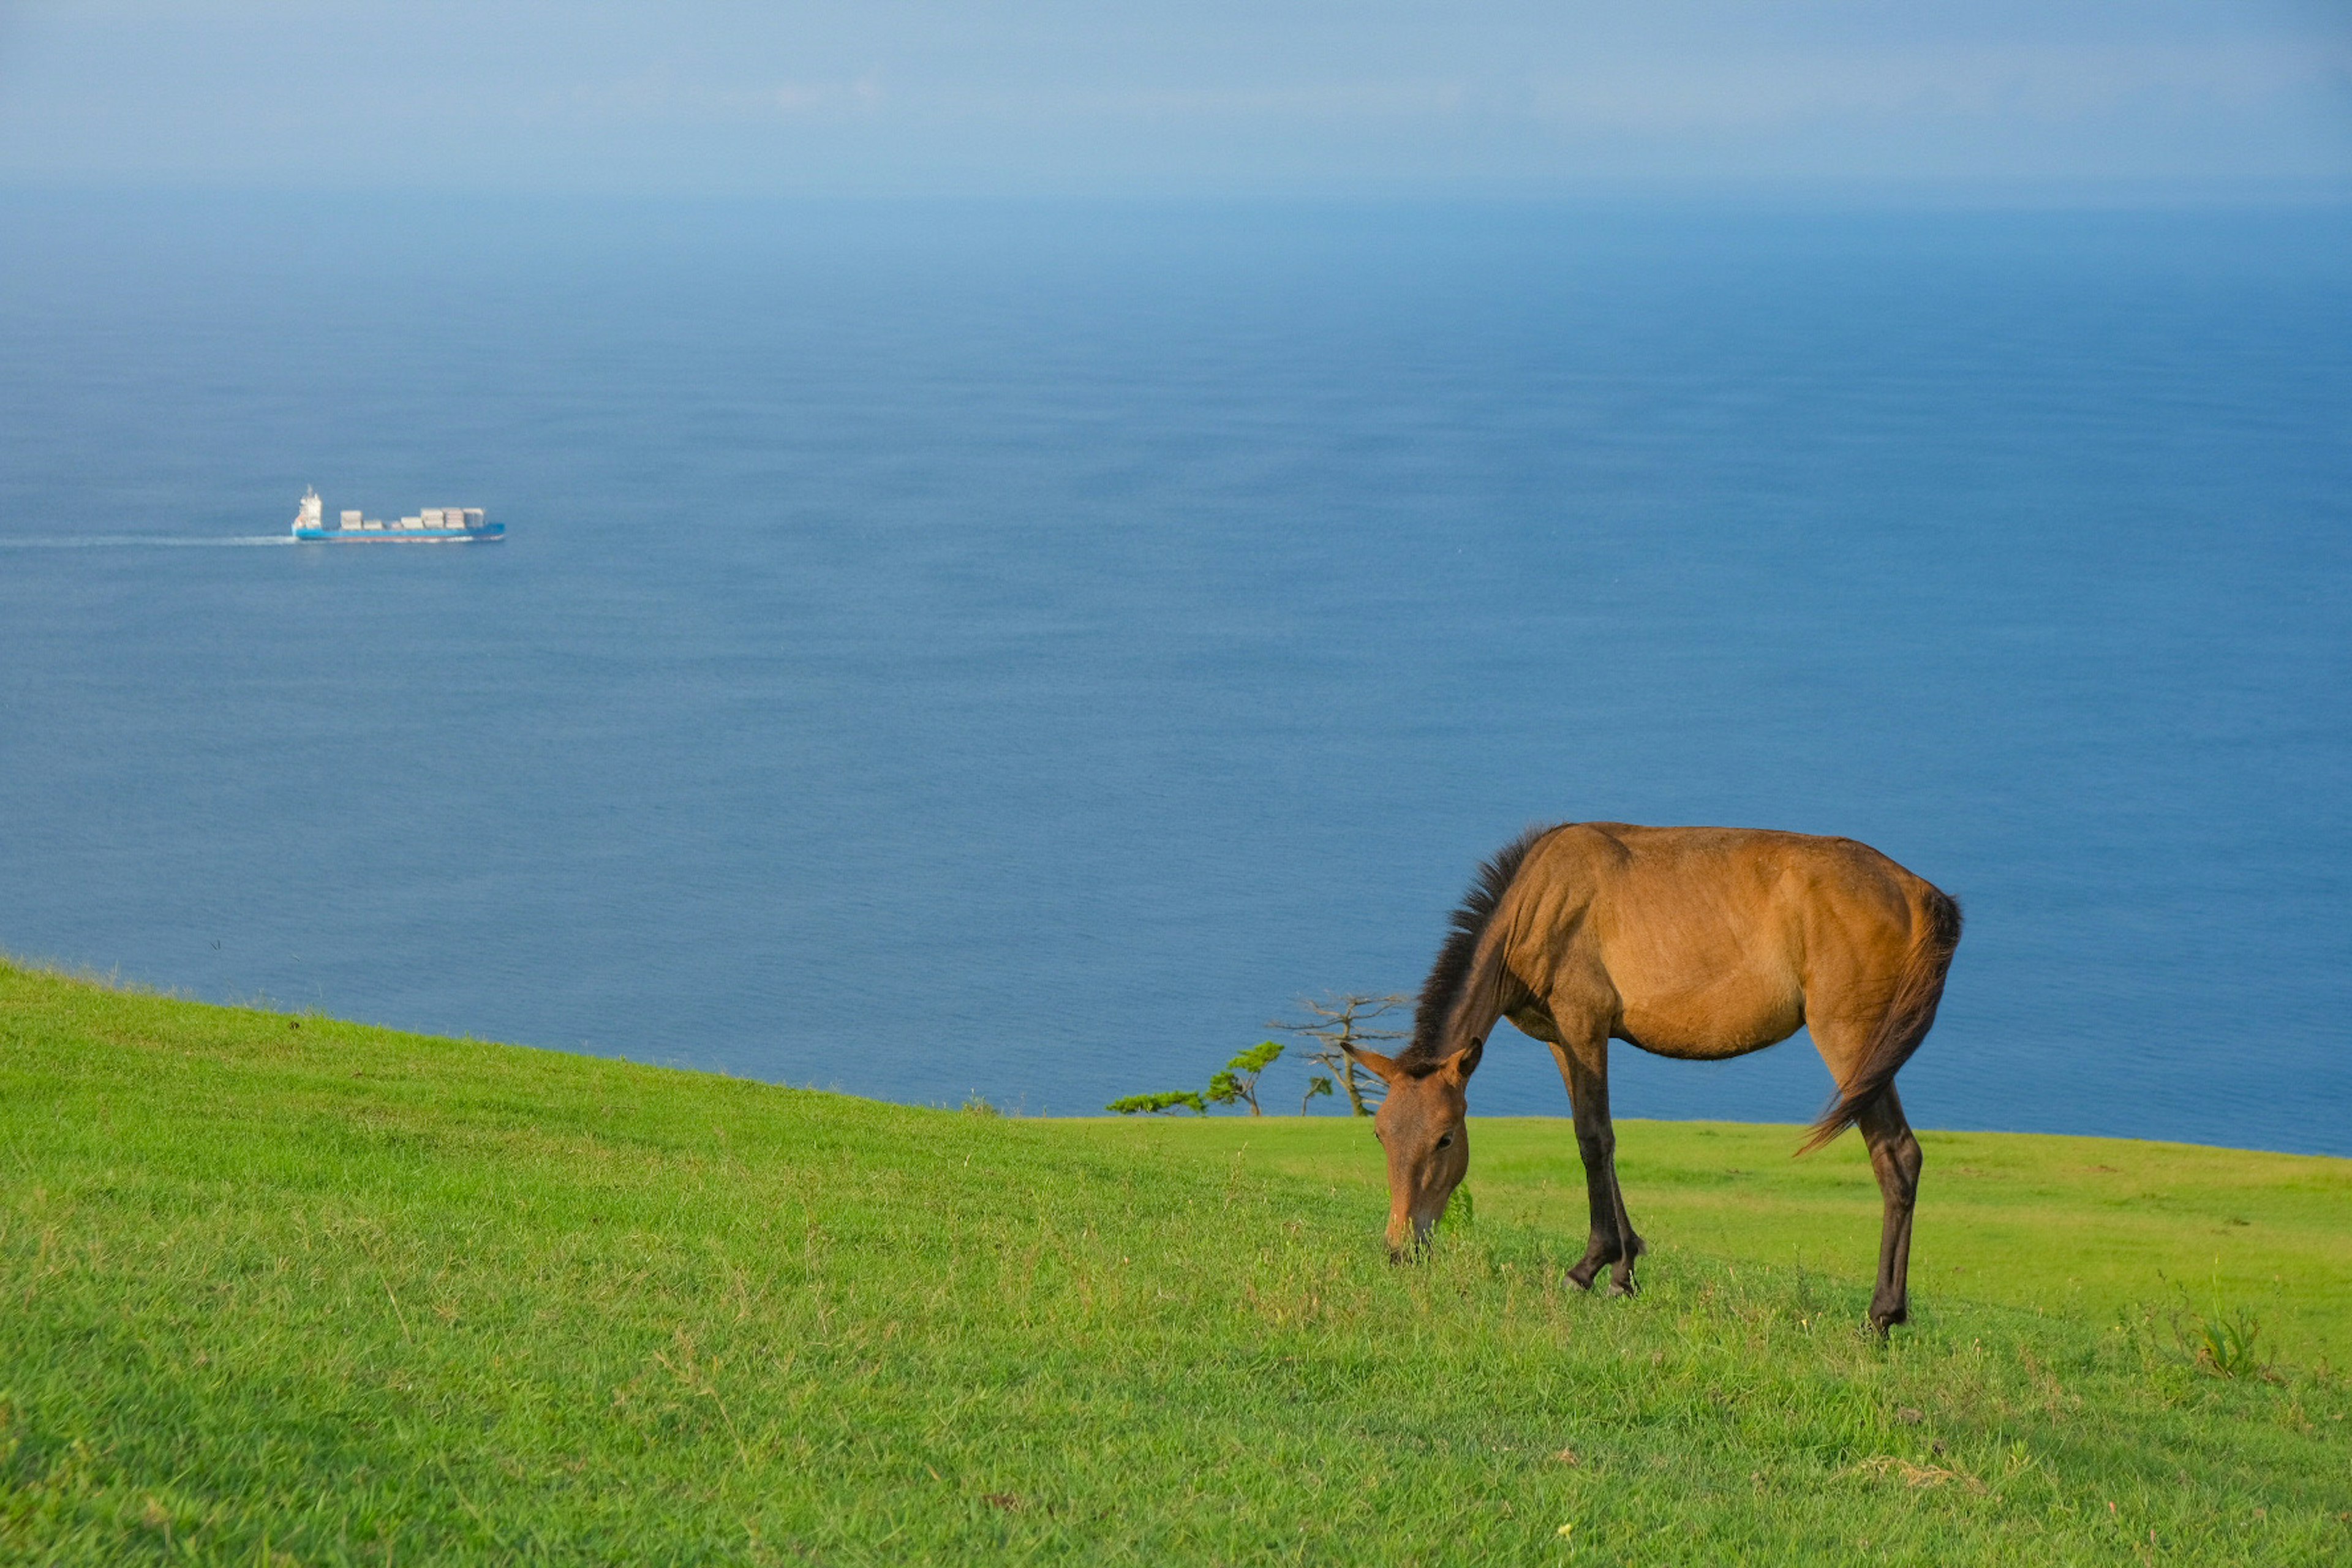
(2094, 1228)
(279, 1288)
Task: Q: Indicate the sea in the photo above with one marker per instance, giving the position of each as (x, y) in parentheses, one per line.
(1019, 651)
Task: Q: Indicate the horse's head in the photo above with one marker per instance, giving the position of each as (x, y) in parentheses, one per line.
(1424, 1124)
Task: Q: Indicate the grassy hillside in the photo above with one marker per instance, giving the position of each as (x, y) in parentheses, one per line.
(2088, 1227)
(290, 1290)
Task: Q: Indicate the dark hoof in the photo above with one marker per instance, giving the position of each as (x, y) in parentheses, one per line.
(1624, 1287)
(1587, 1267)
(1882, 1322)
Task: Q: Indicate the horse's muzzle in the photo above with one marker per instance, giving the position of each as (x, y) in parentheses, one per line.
(1403, 1250)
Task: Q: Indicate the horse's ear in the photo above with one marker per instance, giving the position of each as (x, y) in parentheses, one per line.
(1463, 1062)
(1380, 1067)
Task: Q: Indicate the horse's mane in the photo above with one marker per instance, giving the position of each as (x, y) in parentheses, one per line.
(1451, 972)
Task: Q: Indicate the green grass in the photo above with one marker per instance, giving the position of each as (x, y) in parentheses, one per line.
(2084, 1227)
(278, 1288)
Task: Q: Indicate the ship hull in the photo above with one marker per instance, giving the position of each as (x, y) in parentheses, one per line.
(489, 533)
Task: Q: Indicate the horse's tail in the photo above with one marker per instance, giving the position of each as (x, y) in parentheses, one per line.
(1908, 1016)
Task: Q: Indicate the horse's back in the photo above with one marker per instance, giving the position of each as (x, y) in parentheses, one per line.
(1743, 873)
(1713, 941)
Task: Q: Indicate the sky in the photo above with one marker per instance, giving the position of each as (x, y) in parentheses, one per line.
(1180, 97)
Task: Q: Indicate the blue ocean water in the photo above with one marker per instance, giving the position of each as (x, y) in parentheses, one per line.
(1020, 649)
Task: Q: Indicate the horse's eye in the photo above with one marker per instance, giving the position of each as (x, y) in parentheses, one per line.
(1442, 1142)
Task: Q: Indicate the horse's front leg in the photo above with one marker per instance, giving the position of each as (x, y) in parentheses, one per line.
(1583, 1058)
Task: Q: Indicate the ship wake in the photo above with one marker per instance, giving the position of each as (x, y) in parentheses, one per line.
(135, 541)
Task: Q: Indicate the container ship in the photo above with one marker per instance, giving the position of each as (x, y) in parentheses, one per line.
(434, 525)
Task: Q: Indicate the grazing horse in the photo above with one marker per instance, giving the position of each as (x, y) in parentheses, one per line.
(1700, 944)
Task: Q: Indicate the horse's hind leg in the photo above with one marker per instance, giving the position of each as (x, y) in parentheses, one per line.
(1584, 1067)
(1895, 1156)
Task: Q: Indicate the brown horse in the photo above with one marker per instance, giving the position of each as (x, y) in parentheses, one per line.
(1700, 944)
